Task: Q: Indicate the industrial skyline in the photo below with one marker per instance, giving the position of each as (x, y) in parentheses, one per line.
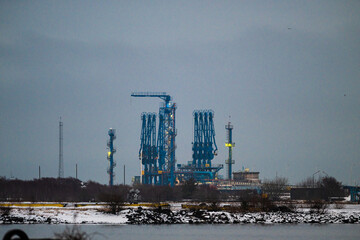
(287, 73)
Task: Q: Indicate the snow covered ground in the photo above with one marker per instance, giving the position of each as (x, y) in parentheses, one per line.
(346, 213)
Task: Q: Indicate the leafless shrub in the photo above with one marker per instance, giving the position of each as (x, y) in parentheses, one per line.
(73, 233)
(318, 207)
(5, 211)
(115, 203)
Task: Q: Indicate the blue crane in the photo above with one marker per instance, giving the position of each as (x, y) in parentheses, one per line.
(166, 136)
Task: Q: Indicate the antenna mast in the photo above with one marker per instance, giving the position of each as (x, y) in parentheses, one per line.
(61, 160)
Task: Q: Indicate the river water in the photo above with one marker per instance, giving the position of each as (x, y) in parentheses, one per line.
(195, 232)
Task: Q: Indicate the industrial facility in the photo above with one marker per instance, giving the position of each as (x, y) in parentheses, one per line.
(157, 150)
(157, 153)
(204, 149)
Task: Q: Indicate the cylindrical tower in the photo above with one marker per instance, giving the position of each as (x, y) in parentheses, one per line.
(111, 151)
(229, 162)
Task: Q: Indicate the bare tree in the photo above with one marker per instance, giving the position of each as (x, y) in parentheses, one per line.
(332, 188)
(309, 182)
(275, 188)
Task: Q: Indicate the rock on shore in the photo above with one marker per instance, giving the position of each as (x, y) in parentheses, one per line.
(209, 217)
(167, 216)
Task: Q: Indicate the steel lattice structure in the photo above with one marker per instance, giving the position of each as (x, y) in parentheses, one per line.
(204, 149)
(158, 163)
(148, 149)
(165, 172)
(204, 145)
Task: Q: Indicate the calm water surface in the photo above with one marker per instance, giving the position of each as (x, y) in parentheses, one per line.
(208, 232)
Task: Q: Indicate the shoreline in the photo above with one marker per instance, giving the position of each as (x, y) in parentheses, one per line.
(173, 215)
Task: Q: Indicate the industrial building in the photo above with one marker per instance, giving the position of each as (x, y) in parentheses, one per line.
(241, 180)
(246, 176)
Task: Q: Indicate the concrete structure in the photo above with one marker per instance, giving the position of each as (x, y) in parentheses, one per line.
(243, 181)
(246, 176)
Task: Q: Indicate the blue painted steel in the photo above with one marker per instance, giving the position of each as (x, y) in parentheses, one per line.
(166, 138)
(110, 156)
(212, 152)
(148, 150)
(354, 193)
(204, 149)
(230, 145)
(162, 169)
(161, 146)
(204, 145)
(167, 110)
(197, 148)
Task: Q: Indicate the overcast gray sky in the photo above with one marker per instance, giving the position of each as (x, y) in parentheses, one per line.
(288, 73)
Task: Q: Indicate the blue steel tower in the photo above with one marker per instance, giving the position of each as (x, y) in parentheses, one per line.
(230, 145)
(204, 139)
(110, 155)
(166, 137)
(148, 149)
